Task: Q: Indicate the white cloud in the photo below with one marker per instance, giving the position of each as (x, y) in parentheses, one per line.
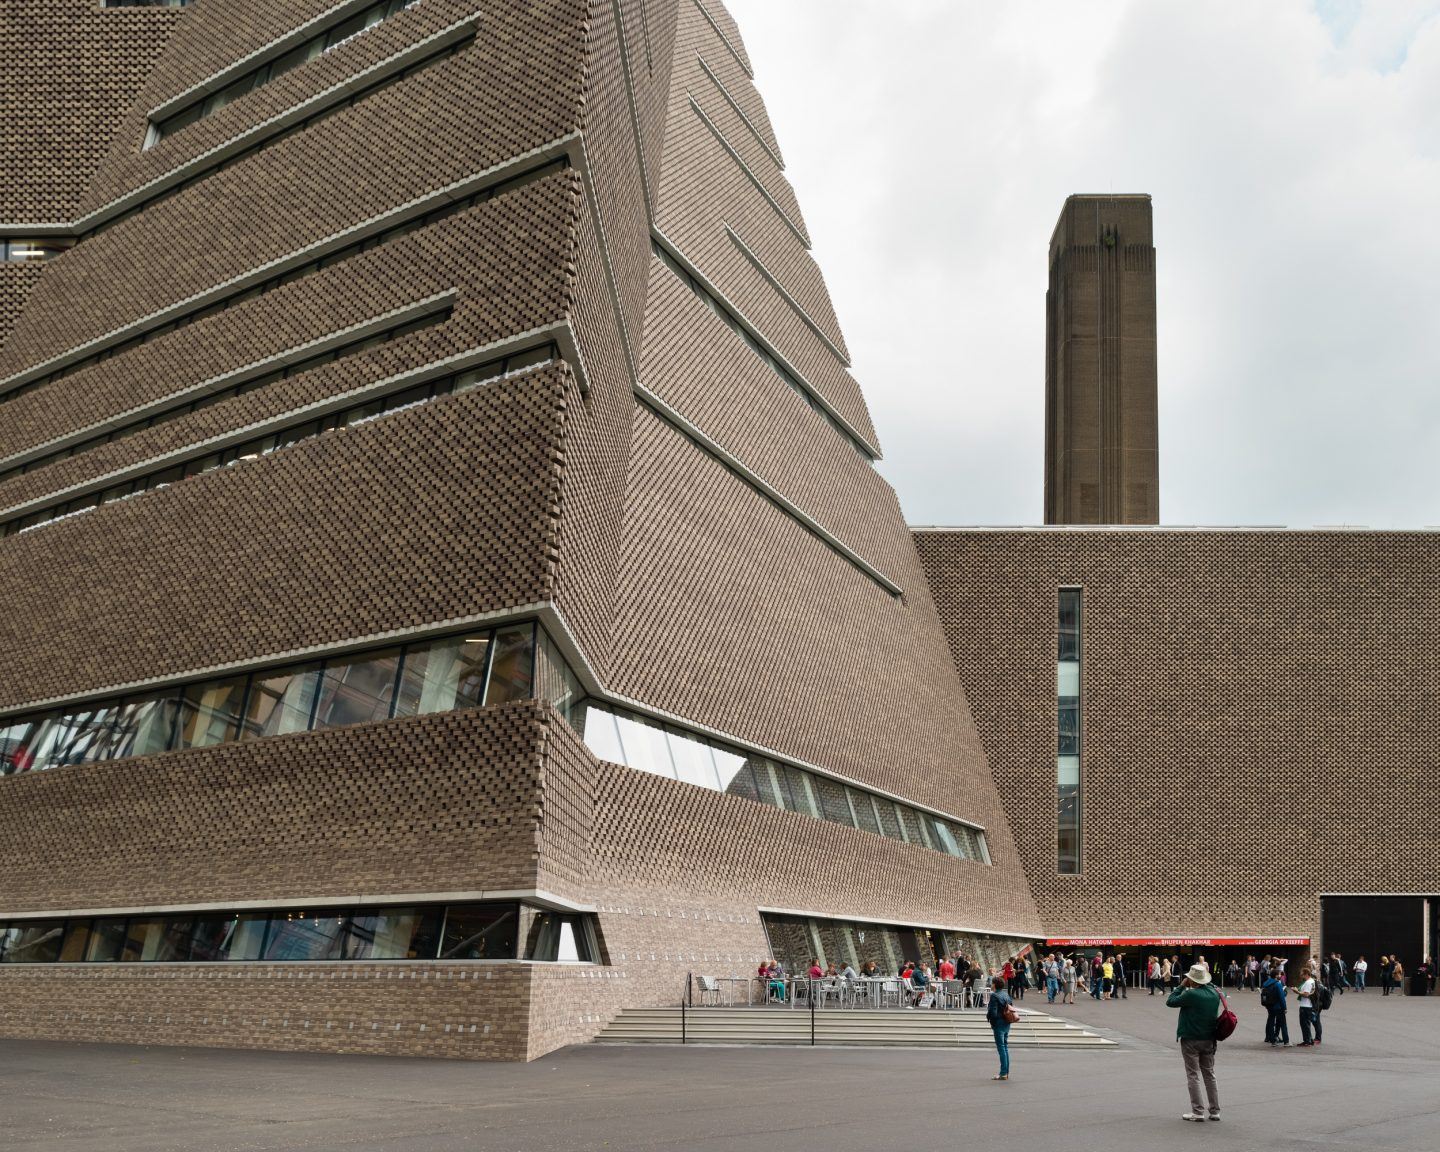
(1294, 158)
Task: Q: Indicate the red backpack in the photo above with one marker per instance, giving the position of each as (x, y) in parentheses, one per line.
(1227, 1021)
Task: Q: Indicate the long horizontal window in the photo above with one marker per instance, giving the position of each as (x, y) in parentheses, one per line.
(246, 294)
(19, 251)
(146, 3)
(466, 670)
(637, 742)
(741, 329)
(266, 140)
(359, 413)
(325, 40)
(490, 931)
(185, 407)
(795, 941)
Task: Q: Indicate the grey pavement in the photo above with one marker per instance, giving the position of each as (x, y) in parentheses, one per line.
(1372, 1085)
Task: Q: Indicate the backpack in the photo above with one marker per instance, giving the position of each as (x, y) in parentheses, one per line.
(1227, 1021)
(1322, 998)
(1269, 997)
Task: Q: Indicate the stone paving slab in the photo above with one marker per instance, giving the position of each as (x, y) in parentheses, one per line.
(1373, 1085)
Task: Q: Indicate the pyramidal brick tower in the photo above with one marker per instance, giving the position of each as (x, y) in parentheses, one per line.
(442, 555)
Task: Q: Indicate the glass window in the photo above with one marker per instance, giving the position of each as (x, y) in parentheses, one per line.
(1069, 627)
(601, 735)
(76, 942)
(735, 773)
(357, 689)
(106, 942)
(889, 821)
(512, 666)
(910, 823)
(798, 794)
(17, 740)
(833, 803)
(281, 701)
(644, 745)
(479, 932)
(157, 939)
(443, 675)
(32, 942)
(393, 934)
(691, 757)
(555, 680)
(1068, 723)
(768, 781)
(210, 713)
(944, 838)
(296, 936)
(145, 725)
(864, 811)
(562, 937)
(1067, 679)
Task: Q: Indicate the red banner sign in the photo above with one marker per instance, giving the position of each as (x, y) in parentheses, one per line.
(1181, 942)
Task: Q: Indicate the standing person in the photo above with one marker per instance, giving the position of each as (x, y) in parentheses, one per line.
(1233, 974)
(1068, 977)
(1120, 977)
(1052, 979)
(1420, 983)
(999, 1021)
(1387, 975)
(1008, 972)
(1174, 973)
(1152, 973)
(1252, 973)
(1306, 994)
(1199, 1006)
(1360, 968)
(1272, 999)
(1107, 972)
(1397, 975)
(1097, 976)
(1165, 971)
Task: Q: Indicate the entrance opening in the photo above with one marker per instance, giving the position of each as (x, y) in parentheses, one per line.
(1375, 926)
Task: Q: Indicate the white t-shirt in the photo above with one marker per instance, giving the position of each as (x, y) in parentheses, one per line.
(1307, 990)
(1361, 966)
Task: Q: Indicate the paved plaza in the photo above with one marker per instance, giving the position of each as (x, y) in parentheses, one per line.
(1372, 1085)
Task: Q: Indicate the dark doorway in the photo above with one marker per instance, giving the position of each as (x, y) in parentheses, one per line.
(1375, 926)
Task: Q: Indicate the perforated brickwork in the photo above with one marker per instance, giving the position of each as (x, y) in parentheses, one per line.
(446, 510)
(442, 803)
(71, 71)
(1256, 716)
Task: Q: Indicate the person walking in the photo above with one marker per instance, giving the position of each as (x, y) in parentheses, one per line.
(997, 1013)
(1052, 978)
(1097, 976)
(1272, 999)
(1069, 977)
(1121, 978)
(1152, 973)
(1199, 1006)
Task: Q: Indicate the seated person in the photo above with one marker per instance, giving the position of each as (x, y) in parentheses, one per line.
(921, 979)
(816, 972)
(848, 974)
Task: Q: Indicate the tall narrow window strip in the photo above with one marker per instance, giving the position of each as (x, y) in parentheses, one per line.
(1068, 732)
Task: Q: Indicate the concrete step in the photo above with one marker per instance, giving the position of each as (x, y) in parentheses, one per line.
(862, 1028)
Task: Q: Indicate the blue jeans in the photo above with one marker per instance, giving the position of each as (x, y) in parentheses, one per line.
(1052, 988)
(1277, 1027)
(1359, 981)
(1002, 1045)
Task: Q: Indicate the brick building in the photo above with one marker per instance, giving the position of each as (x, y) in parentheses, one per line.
(448, 595)
(1102, 439)
(1209, 733)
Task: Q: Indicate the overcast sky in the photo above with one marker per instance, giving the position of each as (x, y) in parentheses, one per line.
(1293, 151)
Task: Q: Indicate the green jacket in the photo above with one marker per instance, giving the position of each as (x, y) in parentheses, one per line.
(1199, 1008)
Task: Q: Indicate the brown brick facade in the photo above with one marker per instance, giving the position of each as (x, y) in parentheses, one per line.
(1257, 714)
(674, 498)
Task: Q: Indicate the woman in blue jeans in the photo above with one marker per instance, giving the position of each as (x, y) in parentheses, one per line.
(995, 1013)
